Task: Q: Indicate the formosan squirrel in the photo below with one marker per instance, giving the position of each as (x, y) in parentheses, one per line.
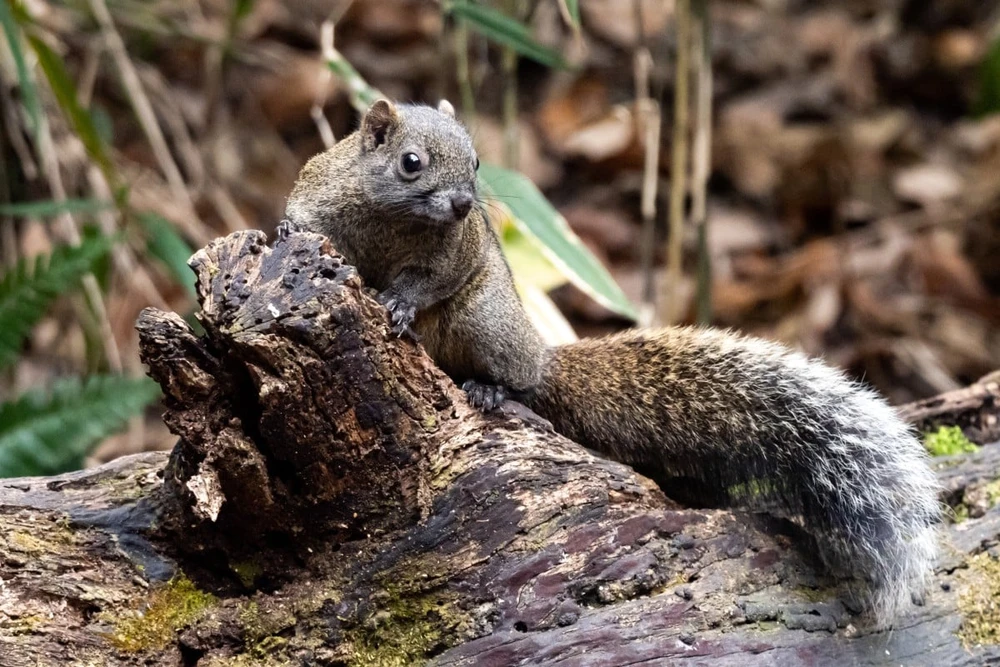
(751, 423)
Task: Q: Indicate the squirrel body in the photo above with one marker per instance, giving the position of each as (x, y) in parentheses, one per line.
(438, 269)
(748, 422)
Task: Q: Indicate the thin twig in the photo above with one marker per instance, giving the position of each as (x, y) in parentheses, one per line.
(122, 258)
(227, 208)
(566, 16)
(322, 124)
(215, 58)
(463, 74)
(140, 104)
(8, 236)
(360, 93)
(702, 157)
(173, 118)
(88, 73)
(573, 25)
(71, 232)
(13, 122)
(670, 310)
(509, 68)
(648, 121)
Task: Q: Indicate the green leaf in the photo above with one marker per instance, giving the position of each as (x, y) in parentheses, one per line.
(537, 218)
(27, 289)
(27, 84)
(988, 99)
(545, 316)
(504, 30)
(65, 92)
(49, 207)
(361, 94)
(167, 245)
(527, 260)
(948, 441)
(574, 11)
(242, 9)
(43, 433)
(103, 124)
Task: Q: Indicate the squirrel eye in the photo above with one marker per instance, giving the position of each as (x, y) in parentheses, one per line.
(411, 163)
(477, 164)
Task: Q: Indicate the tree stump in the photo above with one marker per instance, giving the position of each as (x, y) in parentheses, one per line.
(332, 500)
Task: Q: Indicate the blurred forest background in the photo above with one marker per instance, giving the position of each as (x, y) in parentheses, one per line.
(840, 188)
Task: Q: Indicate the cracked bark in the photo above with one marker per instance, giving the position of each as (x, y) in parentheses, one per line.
(344, 506)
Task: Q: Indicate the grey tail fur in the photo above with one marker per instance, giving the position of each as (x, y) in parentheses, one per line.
(756, 425)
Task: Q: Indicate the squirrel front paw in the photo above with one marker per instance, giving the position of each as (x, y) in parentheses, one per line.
(402, 315)
(286, 227)
(486, 397)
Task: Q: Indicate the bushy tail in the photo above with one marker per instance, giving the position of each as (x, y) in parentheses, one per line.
(872, 503)
(759, 426)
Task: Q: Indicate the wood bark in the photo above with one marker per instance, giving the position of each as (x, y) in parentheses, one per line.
(975, 409)
(332, 500)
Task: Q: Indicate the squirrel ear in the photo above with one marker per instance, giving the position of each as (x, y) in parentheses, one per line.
(445, 107)
(378, 122)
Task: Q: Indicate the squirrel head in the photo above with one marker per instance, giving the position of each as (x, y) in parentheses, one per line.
(418, 162)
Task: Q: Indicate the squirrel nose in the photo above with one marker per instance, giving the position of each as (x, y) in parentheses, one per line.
(461, 204)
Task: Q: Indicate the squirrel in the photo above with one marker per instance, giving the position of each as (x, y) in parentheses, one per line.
(747, 422)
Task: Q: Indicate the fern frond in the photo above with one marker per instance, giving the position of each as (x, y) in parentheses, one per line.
(43, 433)
(27, 290)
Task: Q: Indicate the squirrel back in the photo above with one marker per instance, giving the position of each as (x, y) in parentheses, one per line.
(750, 423)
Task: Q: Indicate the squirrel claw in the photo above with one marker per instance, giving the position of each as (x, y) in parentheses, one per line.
(486, 397)
(402, 315)
(405, 330)
(286, 227)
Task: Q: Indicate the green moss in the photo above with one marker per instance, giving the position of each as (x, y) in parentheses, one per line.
(980, 602)
(247, 571)
(47, 538)
(260, 629)
(23, 625)
(246, 660)
(406, 630)
(993, 492)
(755, 488)
(125, 488)
(169, 608)
(948, 441)
(250, 618)
(961, 513)
(26, 543)
(822, 594)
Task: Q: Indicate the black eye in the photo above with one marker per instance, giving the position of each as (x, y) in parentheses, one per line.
(477, 164)
(411, 163)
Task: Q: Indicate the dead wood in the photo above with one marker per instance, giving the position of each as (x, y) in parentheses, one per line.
(332, 500)
(975, 409)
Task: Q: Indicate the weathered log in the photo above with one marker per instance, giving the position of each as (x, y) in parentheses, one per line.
(332, 500)
(975, 409)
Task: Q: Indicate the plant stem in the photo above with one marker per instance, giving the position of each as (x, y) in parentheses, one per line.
(671, 306)
(509, 68)
(702, 50)
(648, 119)
(462, 73)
